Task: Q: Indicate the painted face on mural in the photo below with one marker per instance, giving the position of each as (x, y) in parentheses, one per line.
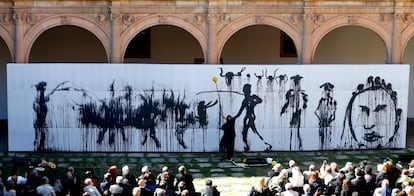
(373, 116)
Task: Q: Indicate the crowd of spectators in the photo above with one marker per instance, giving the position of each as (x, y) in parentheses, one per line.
(353, 179)
(113, 183)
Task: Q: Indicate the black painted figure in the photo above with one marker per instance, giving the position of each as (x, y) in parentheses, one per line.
(372, 117)
(227, 141)
(40, 107)
(249, 103)
(202, 112)
(230, 75)
(326, 112)
(149, 111)
(296, 101)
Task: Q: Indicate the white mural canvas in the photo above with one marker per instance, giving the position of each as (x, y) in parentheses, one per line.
(180, 108)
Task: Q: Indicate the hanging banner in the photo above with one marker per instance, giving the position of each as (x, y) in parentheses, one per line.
(180, 108)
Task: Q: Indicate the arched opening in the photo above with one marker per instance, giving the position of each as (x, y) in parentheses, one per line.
(408, 58)
(5, 58)
(351, 45)
(164, 44)
(259, 44)
(64, 44)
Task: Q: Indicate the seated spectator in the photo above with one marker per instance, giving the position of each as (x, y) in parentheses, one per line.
(45, 189)
(275, 170)
(307, 190)
(260, 189)
(90, 188)
(182, 189)
(297, 179)
(359, 184)
(161, 189)
(141, 190)
(9, 188)
(315, 182)
(168, 177)
(187, 178)
(209, 189)
(150, 181)
(386, 189)
(129, 179)
(289, 190)
(347, 187)
(276, 184)
(403, 178)
(106, 183)
(117, 189)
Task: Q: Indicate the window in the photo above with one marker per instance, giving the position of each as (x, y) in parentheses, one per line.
(140, 45)
(287, 47)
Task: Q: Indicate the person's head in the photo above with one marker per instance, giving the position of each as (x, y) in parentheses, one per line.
(283, 173)
(385, 183)
(277, 167)
(164, 168)
(88, 181)
(141, 183)
(358, 171)
(311, 167)
(113, 170)
(306, 188)
(395, 192)
(368, 169)
(334, 166)
(181, 169)
(71, 169)
(145, 169)
(45, 180)
(247, 89)
(125, 170)
(119, 179)
(292, 163)
(107, 177)
(288, 186)
(370, 113)
(314, 176)
(165, 175)
(209, 182)
(387, 166)
(228, 117)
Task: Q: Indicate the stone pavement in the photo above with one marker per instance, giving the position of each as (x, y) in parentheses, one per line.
(231, 180)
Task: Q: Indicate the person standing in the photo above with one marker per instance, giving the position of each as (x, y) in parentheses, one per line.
(227, 141)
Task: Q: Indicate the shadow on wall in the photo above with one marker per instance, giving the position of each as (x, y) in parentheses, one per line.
(3, 135)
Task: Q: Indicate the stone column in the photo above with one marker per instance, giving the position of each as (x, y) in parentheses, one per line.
(212, 50)
(396, 50)
(116, 50)
(19, 45)
(306, 53)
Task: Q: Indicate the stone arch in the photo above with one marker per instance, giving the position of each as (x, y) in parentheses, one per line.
(60, 20)
(195, 30)
(405, 38)
(342, 21)
(243, 22)
(8, 39)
